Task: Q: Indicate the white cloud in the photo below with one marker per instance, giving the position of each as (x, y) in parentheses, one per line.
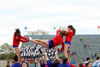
(46, 14)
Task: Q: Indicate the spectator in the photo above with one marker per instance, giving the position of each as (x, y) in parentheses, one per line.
(24, 64)
(69, 51)
(64, 64)
(81, 38)
(73, 52)
(88, 63)
(97, 62)
(95, 55)
(8, 64)
(88, 45)
(87, 60)
(16, 63)
(85, 46)
(70, 54)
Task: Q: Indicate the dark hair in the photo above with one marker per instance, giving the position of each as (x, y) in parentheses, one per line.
(17, 31)
(87, 58)
(8, 66)
(56, 62)
(87, 64)
(71, 27)
(26, 64)
(98, 58)
(65, 59)
(80, 64)
(16, 58)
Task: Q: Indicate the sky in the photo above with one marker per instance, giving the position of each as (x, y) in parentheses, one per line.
(84, 15)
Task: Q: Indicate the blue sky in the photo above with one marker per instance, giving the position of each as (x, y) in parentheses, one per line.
(84, 15)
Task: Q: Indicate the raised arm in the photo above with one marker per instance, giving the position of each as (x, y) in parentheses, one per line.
(22, 40)
(23, 37)
(46, 57)
(40, 59)
(65, 31)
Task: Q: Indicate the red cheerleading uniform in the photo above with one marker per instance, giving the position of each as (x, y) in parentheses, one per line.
(18, 39)
(58, 40)
(69, 36)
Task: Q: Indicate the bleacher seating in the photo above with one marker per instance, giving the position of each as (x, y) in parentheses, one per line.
(77, 45)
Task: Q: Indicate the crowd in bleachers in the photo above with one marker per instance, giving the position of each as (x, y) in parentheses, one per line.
(88, 63)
